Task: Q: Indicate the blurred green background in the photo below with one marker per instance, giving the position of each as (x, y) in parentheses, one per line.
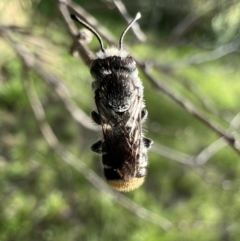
(43, 198)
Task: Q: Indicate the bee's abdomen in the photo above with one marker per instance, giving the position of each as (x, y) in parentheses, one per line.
(119, 183)
(126, 186)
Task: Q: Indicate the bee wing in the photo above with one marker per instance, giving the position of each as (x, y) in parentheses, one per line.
(134, 122)
(125, 126)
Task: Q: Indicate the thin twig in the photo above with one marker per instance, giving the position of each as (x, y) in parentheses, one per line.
(191, 20)
(202, 98)
(86, 55)
(31, 61)
(80, 12)
(217, 145)
(207, 56)
(135, 27)
(172, 154)
(209, 151)
(189, 107)
(16, 29)
(204, 155)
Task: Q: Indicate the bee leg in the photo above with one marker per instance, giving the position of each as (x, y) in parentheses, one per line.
(147, 142)
(144, 114)
(96, 117)
(97, 147)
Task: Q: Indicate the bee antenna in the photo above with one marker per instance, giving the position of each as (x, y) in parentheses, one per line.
(138, 15)
(91, 29)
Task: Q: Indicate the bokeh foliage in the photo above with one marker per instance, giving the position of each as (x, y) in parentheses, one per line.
(42, 198)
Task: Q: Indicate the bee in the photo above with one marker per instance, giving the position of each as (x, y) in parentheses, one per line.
(120, 112)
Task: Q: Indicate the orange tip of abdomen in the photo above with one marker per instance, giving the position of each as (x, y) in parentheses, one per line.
(126, 185)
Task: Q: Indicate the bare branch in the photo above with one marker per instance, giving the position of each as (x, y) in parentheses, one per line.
(80, 12)
(135, 27)
(85, 54)
(202, 98)
(14, 28)
(210, 151)
(189, 107)
(204, 155)
(208, 56)
(53, 81)
(172, 154)
(190, 21)
(216, 146)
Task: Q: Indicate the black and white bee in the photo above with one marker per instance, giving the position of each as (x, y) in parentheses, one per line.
(120, 112)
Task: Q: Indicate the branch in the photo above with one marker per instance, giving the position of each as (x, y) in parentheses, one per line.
(202, 98)
(80, 12)
(135, 27)
(216, 146)
(172, 154)
(189, 107)
(207, 56)
(53, 81)
(190, 21)
(14, 28)
(86, 55)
